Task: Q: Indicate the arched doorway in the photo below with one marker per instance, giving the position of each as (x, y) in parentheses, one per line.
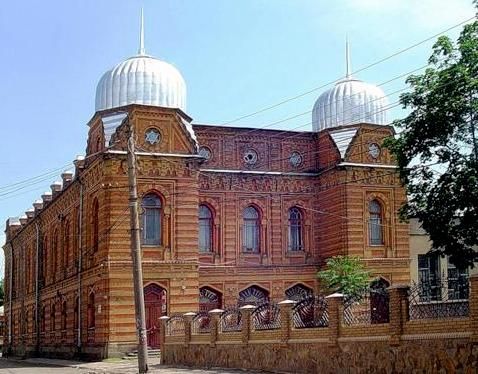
(209, 299)
(155, 307)
(253, 295)
(379, 301)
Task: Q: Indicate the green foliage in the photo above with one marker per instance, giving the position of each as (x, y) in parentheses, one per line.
(437, 149)
(2, 292)
(345, 274)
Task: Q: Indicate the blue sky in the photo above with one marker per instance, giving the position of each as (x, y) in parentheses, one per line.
(236, 57)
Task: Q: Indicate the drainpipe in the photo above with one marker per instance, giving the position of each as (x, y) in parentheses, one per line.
(37, 288)
(80, 237)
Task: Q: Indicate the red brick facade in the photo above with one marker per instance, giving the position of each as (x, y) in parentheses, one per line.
(87, 222)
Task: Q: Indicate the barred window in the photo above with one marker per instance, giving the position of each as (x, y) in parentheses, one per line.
(429, 277)
(251, 241)
(375, 223)
(205, 229)
(457, 282)
(295, 230)
(151, 205)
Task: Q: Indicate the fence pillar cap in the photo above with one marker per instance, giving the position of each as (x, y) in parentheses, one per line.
(398, 286)
(189, 314)
(216, 311)
(248, 307)
(163, 318)
(286, 302)
(335, 295)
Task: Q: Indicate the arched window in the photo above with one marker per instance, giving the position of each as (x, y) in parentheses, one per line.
(205, 229)
(209, 299)
(95, 225)
(45, 258)
(66, 243)
(375, 223)
(251, 242)
(76, 235)
(53, 317)
(296, 224)
(54, 252)
(151, 205)
(253, 295)
(43, 319)
(91, 310)
(63, 315)
(298, 292)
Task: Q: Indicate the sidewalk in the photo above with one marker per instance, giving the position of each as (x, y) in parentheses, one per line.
(120, 366)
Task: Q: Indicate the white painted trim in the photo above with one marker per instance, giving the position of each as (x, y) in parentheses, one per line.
(260, 172)
(368, 165)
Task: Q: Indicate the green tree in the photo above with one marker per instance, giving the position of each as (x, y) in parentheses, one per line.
(2, 293)
(437, 147)
(345, 274)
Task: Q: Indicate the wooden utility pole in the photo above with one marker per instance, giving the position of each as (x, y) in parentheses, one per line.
(137, 263)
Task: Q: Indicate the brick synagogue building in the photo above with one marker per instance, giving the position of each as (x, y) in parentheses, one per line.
(229, 214)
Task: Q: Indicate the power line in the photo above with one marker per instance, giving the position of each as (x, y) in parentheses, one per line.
(354, 72)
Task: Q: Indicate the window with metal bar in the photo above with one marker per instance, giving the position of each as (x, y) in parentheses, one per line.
(295, 230)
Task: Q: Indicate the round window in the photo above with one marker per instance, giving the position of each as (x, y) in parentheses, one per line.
(205, 152)
(250, 157)
(295, 159)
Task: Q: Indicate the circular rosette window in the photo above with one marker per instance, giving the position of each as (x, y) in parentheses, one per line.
(295, 159)
(205, 152)
(250, 157)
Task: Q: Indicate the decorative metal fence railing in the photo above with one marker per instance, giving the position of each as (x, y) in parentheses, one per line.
(175, 326)
(231, 320)
(372, 306)
(310, 312)
(201, 323)
(439, 298)
(266, 317)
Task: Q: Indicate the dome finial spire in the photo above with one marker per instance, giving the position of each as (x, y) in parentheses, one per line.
(141, 50)
(347, 57)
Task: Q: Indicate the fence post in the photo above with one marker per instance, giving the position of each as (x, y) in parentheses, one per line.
(473, 305)
(162, 330)
(214, 314)
(286, 319)
(398, 311)
(335, 308)
(246, 312)
(188, 318)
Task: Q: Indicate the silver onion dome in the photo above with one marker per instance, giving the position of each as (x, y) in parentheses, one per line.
(350, 101)
(141, 79)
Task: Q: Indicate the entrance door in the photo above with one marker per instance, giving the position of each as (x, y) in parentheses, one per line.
(379, 301)
(155, 305)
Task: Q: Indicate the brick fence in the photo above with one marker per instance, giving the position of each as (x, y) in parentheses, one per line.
(398, 346)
